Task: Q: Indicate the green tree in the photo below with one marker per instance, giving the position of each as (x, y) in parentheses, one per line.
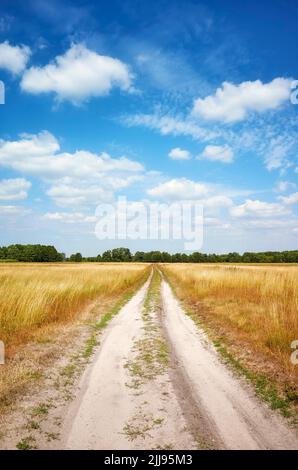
(76, 258)
(107, 256)
(139, 256)
(121, 254)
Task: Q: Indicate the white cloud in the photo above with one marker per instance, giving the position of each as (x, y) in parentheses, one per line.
(217, 153)
(271, 224)
(72, 192)
(288, 200)
(179, 154)
(212, 197)
(14, 58)
(256, 208)
(69, 217)
(14, 189)
(37, 155)
(274, 140)
(75, 178)
(13, 211)
(169, 125)
(277, 152)
(283, 186)
(178, 189)
(75, 193)
(215, 223)
(232, 103)
(78, 75)
(30, 153)
(217, 201)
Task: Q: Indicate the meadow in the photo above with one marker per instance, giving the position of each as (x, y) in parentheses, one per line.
(35, 295)
(254, 307)
(250, 310)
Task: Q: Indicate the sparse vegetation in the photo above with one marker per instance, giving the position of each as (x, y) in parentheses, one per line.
(41, 410)
(140, 426)
(151, 350)
(27, 443)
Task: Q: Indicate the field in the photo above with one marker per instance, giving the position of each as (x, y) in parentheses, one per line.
(43, 308)
(146, 344)
(254, 307)
(32, 296)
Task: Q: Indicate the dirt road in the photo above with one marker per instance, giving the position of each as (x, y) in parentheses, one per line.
(156, 382)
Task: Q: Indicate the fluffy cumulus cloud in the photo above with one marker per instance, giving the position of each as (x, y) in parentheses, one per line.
(78, 178)
(14, 189)
(70, 192)
(213, 198)
(291, 199)
(14, 58)
(176, 189)
(38, 155)
(29, 153)
(78, 75)
(217, 153)
(179, 154)
(256, 208)
(232, 103)
(73, 193)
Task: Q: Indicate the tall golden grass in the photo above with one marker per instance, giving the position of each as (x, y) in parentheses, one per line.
(260, 303)
(35, 295)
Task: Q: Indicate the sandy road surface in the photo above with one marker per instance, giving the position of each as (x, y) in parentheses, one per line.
(119, 409)
(156, 382)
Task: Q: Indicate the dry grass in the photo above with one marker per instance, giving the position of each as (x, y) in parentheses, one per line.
(33, 296)
(257, 304)
(47, 315)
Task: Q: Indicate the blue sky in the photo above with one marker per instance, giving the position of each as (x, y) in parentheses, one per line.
(156, 101)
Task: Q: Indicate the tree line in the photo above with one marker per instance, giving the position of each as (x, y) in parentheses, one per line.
(48, 253)
(31, 253)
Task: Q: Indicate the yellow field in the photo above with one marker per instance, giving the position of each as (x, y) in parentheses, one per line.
(257, 304)
(35, 295)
